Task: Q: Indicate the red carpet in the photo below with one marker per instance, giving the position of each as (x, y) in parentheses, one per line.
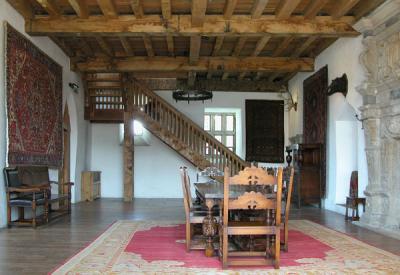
(157, 247)
(166, 244)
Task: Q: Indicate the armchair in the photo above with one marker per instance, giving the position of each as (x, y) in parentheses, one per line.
(24, 196)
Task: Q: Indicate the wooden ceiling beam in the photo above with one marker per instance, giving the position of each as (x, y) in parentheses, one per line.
(88, 51)
(166, 9)
(199, 8)
(286, 8)
(24, 7)
(232, 85)
(105, 47)
(272, 77)
(288, 77)
(191, 78)
(63, 46)
(108, 8)
(282, 47)
(181, 26)
(194, 54)
(242, 75)
(313, 8)
(170, 45)
(219, 40)
(205, 64)
(258, 75)
(229, 8)
(224, 76)
(261, 44)
(168, 84)
(80, 8)
(51, 7)
(137, 8)
(299, 51)
(148, 45)
(160, 74)
(239, 46)
(366, 7)
(258, 8)
(342, 7)
(127, 46)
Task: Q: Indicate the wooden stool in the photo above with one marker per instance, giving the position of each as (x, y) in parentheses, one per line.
(353, 203)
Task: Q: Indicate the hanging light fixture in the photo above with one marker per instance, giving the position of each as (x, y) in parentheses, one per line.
(191, 95)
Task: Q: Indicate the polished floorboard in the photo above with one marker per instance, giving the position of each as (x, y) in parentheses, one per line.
(24, 250)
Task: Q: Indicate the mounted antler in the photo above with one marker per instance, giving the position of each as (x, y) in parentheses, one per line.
(289, 101)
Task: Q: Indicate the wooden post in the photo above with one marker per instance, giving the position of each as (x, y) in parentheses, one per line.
(128, 143)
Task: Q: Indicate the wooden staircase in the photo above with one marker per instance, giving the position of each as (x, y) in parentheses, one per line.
(108, 102)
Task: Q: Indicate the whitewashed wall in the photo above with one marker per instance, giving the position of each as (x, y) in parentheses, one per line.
(75, 103)
(157, 166)
(341, 57)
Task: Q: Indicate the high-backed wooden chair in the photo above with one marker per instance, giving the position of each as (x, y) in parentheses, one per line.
(288, 174)
(255, 190)
(194, 214)
(23, 196)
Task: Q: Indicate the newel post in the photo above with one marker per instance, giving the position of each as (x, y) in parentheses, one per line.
(128, 139)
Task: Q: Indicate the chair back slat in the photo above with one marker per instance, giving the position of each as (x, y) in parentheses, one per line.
(32, 175)
(253, 176)
(288, 173)
(252, 201)
(11, 177)
(185, 190)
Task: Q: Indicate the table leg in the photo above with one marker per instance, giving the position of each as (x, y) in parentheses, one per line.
(210, 228)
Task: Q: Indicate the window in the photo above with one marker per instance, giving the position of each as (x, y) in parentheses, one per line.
(222, 126)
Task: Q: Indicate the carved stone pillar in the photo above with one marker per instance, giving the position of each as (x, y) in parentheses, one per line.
(381, 117)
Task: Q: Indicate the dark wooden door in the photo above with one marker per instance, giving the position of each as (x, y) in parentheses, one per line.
(315, 116)
(265, 138)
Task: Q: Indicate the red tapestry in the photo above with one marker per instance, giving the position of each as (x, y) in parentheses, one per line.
(34, 103)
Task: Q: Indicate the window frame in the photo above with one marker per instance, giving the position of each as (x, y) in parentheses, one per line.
(223, 132)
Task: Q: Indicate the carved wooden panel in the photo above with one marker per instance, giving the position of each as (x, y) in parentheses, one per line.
(253, 176)
(252, 201)
(265, 139)
(315, 115)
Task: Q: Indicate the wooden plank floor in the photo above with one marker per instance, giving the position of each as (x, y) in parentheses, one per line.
(30, 251)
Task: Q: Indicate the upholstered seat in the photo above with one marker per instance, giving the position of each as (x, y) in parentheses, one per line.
(19, 202)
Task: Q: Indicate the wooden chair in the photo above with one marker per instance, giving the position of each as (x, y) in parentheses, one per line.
(24, 196)
(288, 174)
(265, 195)
(194, 214)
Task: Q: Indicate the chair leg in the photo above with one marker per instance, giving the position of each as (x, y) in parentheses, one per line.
(8, 215)
(21, 213)
(277, 248)
(8, 210)
(285, 237)
(46, 212)
(188, 235)
(34, 214)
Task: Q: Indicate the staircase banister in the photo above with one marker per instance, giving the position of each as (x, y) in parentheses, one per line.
(201, 131)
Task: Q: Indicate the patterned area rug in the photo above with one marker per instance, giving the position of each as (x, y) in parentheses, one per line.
(34, 103)
(132, 247)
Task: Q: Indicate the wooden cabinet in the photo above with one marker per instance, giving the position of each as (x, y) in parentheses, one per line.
(91, 185)
(308, 179)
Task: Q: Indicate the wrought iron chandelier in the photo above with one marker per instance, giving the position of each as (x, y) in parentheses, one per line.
(192, 95)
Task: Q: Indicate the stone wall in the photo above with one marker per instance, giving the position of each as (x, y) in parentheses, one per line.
(381, 117)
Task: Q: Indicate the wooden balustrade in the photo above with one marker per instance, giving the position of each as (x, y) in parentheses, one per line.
(106, 99)
(180, 127)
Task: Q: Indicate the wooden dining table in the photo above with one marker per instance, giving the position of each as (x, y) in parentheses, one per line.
(211, 194)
